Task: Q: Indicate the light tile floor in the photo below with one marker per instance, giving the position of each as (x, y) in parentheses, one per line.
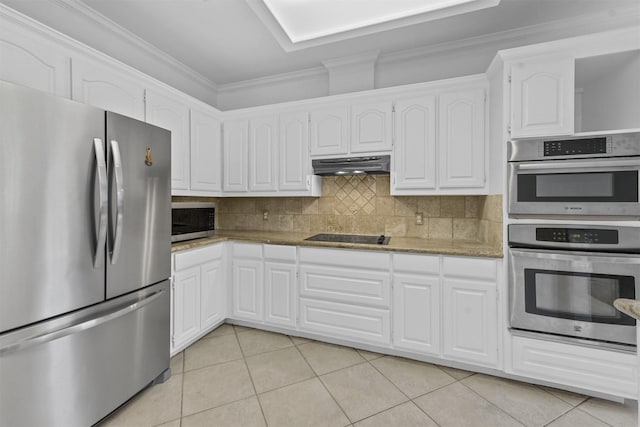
(237, 376)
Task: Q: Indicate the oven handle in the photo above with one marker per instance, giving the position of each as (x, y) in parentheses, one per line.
(575, 164)
(574, 255)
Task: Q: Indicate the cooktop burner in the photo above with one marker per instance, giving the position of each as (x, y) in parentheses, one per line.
(350, 238)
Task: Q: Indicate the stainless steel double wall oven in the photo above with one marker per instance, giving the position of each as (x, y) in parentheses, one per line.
(580, 250)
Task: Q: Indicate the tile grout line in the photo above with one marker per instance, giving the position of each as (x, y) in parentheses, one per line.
(589, 413)
(244, 360)
(491, 403)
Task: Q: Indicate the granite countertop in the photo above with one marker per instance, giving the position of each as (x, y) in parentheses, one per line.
(629, 307)
(399, 244)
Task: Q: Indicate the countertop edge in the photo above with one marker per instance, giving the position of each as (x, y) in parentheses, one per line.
(480, 251)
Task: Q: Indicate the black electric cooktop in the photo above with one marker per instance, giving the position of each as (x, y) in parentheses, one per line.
(350, 238)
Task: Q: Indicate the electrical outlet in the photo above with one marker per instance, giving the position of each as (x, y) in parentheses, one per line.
(419, 219)
(265, 215)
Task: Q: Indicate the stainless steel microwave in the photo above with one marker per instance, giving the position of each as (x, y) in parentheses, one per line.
(192, 220)
(598, 175)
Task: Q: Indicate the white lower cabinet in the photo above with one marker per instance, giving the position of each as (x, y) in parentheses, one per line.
(469, 301)
(346, 294)
(198, 294)
(280, 285)
(603, 371)
(248, 289)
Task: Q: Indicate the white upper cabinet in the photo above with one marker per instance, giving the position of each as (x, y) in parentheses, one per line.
(206, 152)
(103, 86)
(263, 148)
(28, 59)
(415, 143)
(461, 154)
(294, 152)
(330, 131)
(542, 97)
(236, 155)
(371, 127)
(170, 113)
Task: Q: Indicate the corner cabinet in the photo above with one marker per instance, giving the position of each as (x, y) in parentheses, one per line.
(293, 152)
(263, 154)
(542, 97)
(247, 282)
(198, 294)
(235, 146)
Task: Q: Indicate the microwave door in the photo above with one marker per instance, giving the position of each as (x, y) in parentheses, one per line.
(600, 187)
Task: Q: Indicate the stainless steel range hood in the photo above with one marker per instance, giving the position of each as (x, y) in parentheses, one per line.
(352, 166)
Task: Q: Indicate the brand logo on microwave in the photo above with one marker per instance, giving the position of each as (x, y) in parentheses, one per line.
(577, 328)
(572, 208)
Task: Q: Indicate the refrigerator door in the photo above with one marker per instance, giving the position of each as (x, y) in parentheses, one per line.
(139, 238)
(51, 261)
(76, 369)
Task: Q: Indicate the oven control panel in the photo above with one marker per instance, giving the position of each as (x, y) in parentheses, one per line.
(576, 235)
(570, 147)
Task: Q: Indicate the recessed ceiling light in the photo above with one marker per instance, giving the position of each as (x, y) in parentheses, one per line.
(304, 20)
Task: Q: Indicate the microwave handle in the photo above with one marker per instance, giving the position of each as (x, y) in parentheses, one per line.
(575, 164)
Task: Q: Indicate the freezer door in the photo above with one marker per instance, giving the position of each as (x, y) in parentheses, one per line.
(49, 206)
(139, 238)
(76, 369)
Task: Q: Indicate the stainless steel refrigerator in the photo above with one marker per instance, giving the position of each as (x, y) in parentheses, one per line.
(85, 246)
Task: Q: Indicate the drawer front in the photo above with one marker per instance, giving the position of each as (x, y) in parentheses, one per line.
(474, 268)
(193, 257)
(346, 258)
(594, 369)
(247, 250)
(362, 324)
(415, 263)
(346, 285)
(280, 253)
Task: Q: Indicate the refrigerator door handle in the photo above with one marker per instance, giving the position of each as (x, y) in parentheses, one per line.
(117, 167)
(82, 326)
(104, 201)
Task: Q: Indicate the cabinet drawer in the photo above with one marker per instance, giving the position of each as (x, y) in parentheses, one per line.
(247, 250)
(363, 324)
(474, 268)
(346, 258)
(280, 253)
(594, 369)
(413, 263)
(345, 285)
(198, 256)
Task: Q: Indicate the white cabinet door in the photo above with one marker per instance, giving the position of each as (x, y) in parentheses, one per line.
(542, 97)
(416, 313)
(212, 293)
(186, 306)
(470, 321)
(415, 144)
(31, 60)
(206, 152)
(248, 289)
(330, 131)
(236, 152)
(294, 152)
(103, 86)
(170, 113)
(280, 293)
(263, 147)
(371, 127)
(461, 139)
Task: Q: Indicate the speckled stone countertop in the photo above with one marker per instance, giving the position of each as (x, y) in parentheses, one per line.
(397, 244)
(629, 307)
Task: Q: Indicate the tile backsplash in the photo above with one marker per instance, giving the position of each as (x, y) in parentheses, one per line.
(363, 205)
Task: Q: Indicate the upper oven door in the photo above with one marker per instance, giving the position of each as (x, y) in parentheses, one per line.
(572, 293)
(606, 186)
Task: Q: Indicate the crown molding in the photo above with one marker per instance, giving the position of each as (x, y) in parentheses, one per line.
(90, 15)
(363, 58)
(594, 23)
(306, 74)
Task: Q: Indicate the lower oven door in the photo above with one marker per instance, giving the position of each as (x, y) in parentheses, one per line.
(572, 293)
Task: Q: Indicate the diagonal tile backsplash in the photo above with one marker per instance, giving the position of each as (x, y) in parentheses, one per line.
(363, 205)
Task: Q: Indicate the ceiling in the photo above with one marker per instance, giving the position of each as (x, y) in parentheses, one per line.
(226, 42)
